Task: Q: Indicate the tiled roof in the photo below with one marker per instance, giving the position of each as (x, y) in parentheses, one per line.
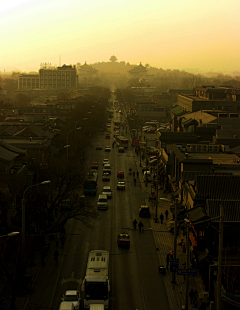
(11, 130)
(231, 209)
(12, 148)
(6, 155)
(177, 110)
(218, 186)
(197, 214)
(192, 175)
(227, 133)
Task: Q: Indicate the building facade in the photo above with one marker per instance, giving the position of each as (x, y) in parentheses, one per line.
(64, 77)
(28, 81)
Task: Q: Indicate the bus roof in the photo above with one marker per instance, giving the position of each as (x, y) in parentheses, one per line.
(97, 266)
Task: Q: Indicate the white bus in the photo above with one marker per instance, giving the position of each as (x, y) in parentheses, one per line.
(96, 284)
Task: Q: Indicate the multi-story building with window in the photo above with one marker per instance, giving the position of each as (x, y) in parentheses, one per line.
(56, 78)
(28, 80)
(64, 77)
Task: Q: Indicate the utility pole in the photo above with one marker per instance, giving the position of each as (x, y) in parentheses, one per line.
(219, 282)
(146, 177)
(175, 241)
(187, 264)
(140, 149)
(156, 218)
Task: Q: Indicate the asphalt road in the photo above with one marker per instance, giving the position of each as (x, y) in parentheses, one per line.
(134, 278)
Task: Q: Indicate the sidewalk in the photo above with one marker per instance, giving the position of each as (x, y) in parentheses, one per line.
(164, 241)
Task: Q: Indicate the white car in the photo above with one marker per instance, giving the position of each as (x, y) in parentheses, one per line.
(105, 161)
(121, 185)
(73, 297)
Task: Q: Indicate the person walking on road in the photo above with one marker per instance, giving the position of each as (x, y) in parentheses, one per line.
(166, 214)
(195, 299)
(56, 254)
(167, 261)
(191, 295)
(3, 303)
(140, 226)
(135, 224)
(161, 217)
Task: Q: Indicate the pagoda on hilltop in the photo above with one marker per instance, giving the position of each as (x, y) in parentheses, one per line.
(138, 71)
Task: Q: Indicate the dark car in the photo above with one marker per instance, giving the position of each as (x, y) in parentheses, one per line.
(144, 211)
(99, 147)
(123, 240)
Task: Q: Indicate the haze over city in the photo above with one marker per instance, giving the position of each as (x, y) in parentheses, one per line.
(170, 35)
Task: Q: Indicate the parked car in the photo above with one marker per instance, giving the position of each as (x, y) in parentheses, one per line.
(94, 165)
(123, 240)
(120, 174)
(108, 124)
(107, 148)
(106, 176)
(121, 149)
(121, 186)
(73, 297)
(99, 147)
(144, 211)
(107, 136)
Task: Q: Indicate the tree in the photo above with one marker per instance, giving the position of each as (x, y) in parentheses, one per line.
(23, 100)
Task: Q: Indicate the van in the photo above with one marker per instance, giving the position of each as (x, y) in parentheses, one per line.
(107, 168)
(107, 191)
(66, 305)
(147, 177)
(102, 202)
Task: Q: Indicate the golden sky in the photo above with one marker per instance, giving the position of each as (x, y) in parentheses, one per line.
(173, 34)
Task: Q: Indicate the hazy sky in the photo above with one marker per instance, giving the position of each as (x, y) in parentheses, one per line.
(173, 34)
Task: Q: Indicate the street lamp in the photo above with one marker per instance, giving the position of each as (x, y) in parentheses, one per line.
(187, 263)
(75, 136)
(23, 217)
(59, 148)
(14, 233)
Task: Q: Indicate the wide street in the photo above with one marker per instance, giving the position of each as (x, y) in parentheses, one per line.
(134, 278)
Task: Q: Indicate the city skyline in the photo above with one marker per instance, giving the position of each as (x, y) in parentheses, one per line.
(173, 35)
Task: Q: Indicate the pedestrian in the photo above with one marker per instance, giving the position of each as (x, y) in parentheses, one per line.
(3, 303)
(135, 224)
(166, 214)
(43, 258)
(167, 261)
(161, 217)
(191, 295)
(57, 239)
(137, 174)
(195, 300)
(63, 237)
(140, 226)
(56, 254)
